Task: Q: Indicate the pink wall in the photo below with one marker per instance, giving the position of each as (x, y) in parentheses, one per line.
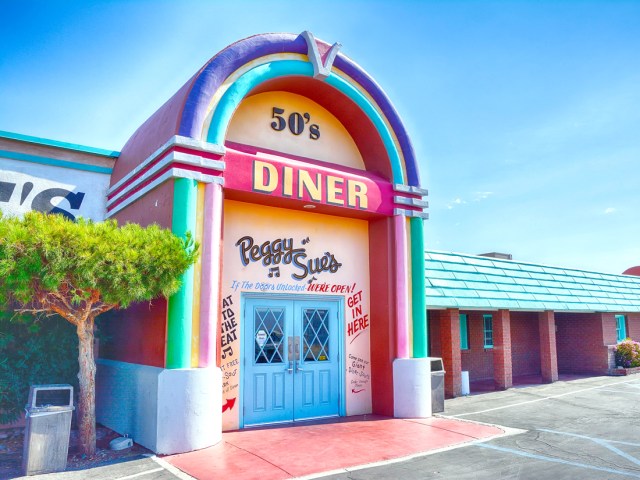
(138, 334)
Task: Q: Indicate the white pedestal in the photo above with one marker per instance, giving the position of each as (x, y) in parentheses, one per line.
(465, 383)
(412, 388)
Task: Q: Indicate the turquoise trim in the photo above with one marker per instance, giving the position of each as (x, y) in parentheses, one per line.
(254, 77)
(418, 300)
(180, 309)
(464, 332)
(54, 162)
(621, 328)
(374, 116)
(54, 143)
(462, 281)
(487, 329)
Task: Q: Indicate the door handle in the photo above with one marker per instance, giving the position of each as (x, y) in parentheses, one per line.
(290, 354)
(296, 346)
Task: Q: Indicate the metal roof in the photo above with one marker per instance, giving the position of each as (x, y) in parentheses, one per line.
(455, 280)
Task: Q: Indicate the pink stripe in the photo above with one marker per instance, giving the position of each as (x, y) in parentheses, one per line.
(402, 287)
(210, 287)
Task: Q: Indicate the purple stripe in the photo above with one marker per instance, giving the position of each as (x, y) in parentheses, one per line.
(244, 51)
(224, 64)
(369, 84)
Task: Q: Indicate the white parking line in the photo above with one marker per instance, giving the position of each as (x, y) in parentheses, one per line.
(602, 442)
(551, 397)
(174, 470)
(146, 472)
(619, 391)
(556, 460)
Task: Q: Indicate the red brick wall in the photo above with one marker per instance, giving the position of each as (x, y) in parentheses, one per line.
(433, 322)
(548, 353)
(580, 343)
(633, 326)
(525, 343)
(609, 326)
(444, 335)
(478, 361)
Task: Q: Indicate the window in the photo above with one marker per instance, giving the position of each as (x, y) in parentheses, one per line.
(621, 328)
(464, 332)
(488, 331)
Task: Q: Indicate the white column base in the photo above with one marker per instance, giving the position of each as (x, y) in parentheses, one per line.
(412, 388)
(166, 411)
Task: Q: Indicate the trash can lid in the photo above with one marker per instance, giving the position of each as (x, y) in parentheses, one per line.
(436, 364)
(57, 395)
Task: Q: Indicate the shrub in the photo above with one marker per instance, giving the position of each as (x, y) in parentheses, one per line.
(628, 354)
(33, 352)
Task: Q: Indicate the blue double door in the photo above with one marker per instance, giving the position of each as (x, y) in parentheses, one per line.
(292, 363)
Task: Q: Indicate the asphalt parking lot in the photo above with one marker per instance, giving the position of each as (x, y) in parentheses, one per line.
(581, 429)
(587, 429)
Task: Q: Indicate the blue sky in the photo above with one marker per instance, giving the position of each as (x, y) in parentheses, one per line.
(525, 116)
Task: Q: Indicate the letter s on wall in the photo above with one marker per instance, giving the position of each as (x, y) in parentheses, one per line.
(42, 201)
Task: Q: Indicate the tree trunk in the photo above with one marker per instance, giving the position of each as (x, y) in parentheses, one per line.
(87, 378)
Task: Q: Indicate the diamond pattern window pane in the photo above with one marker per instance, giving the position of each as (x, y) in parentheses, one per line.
(268, 335)
(315, 334)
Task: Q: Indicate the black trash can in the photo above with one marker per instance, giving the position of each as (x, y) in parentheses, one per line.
(48, 426)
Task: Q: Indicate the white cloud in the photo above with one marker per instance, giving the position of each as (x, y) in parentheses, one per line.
(609, 210)
(482, 195)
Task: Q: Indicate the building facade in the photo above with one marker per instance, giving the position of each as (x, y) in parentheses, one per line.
(291, 168)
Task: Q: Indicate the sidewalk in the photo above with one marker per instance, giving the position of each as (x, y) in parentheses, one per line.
(332, 445)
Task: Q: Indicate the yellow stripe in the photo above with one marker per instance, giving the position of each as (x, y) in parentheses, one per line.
(197, 272)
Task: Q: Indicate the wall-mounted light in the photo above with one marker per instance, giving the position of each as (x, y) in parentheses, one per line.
(309, 206)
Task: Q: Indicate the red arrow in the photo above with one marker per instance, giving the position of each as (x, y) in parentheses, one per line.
(353, 390)
(229, 405)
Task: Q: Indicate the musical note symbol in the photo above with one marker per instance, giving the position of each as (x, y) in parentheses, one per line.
(305, 241)
(274, 271)
(311, 280)
(225, 351)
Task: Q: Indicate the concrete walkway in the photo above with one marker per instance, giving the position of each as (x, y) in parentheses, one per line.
(310, 448)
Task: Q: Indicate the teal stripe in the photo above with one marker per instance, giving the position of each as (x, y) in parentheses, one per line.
(55, 143)
(418, 304)
(54, 162)
(179, 321)
(254, 77)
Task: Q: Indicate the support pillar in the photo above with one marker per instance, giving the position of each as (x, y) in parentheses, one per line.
(418, 303)
(548, 352)
(180, 309)
(451, 354)
(502, 369)
(211, 271)
(402, 287)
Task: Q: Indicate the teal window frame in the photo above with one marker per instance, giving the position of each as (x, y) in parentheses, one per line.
(464, 331)
(621, 328)
(487, 329)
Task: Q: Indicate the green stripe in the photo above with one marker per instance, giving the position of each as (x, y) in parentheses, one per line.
(55, 143)
(418, 304)
(54, 162)
(254, 77)
(185, 196)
